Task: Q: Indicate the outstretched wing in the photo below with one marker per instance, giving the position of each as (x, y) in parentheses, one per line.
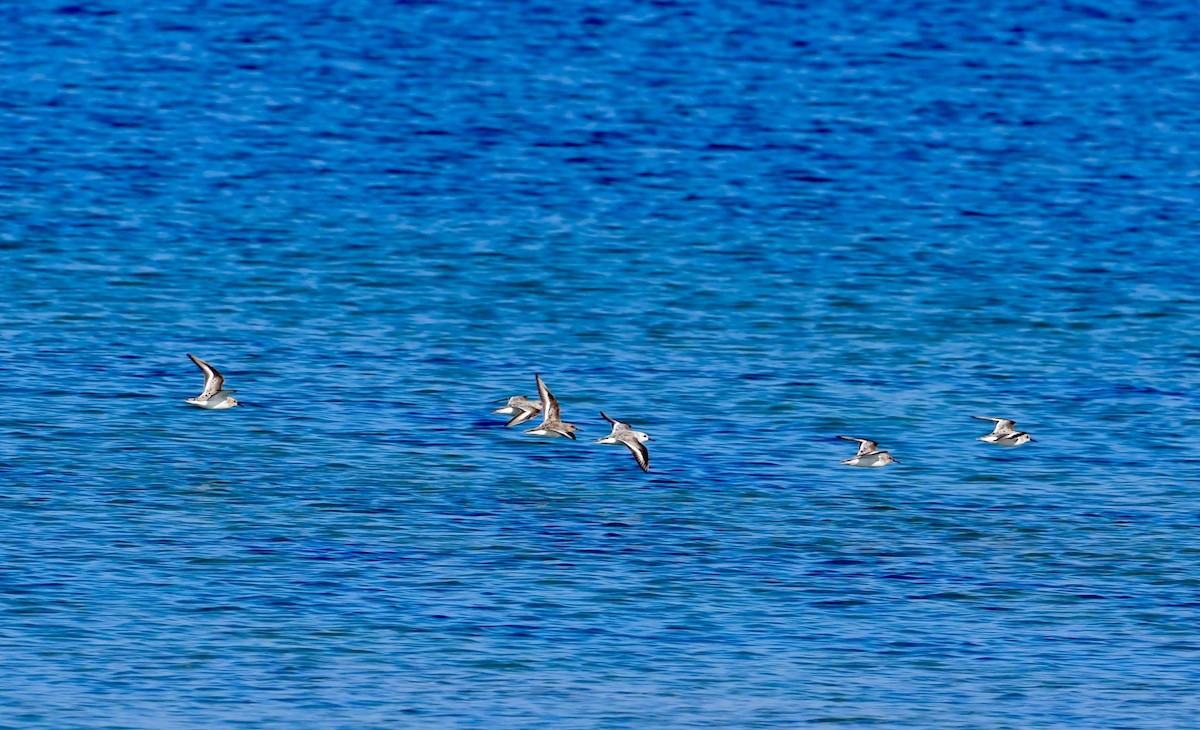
(523, 415)
(213, 381)
(549, 404)
(618, 426)
(865, 446)
(640, 453)
(1003, 427)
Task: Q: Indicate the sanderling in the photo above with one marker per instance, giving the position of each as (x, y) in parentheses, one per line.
(868, 454)
(634, 440)
(1005, 433)
(213, 397)
(521, 408)
(552, 424)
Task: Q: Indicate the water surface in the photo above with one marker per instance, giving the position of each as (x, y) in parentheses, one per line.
(745, 230)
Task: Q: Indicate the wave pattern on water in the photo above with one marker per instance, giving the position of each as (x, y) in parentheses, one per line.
(743, 229)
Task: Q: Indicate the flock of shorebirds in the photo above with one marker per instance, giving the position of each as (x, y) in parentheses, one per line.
(522, 409)
(216, 397)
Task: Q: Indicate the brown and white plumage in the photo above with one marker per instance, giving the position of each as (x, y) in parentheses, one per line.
(868, 454)
(214, 397)
(520, 408)
(1004, 433)
(552, 423)
(865, 446)
(623, 434)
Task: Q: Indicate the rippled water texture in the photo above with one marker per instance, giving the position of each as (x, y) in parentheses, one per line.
(746, 228)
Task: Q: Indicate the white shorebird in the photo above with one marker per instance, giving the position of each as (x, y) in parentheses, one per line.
(520, 408)
(868, 454)
(552, 423)
(214, 397)
(635, 441)
(1005, 433)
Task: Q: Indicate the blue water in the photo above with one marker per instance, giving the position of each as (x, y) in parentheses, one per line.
(746, 228)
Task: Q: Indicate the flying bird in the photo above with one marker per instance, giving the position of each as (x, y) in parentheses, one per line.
(635, 441)
(868, 454)
(520, 408)
(1005, 433)
(214, 397)
(552, 423)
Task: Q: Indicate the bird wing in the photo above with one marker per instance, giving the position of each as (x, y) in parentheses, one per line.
(617, 426)
(640, 453)
(1003, 425)
(523, 415)
(865, 446)
(213, 380)
(549, 404)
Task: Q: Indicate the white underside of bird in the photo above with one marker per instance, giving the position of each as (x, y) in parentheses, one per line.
(871, 461)
(1015, 439)
(218, 402)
